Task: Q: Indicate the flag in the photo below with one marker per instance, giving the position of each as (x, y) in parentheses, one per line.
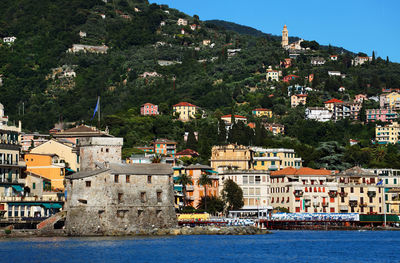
(97, 107)
(380, 182)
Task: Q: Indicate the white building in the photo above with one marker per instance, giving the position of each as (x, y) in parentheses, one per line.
(182, 22)
(9, 39)
(272, 75)
(334, 73)
(320, 114)
(360, 60)
(254, 184)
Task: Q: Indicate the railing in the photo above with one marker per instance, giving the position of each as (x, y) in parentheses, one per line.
(353, 203)
(54, 198)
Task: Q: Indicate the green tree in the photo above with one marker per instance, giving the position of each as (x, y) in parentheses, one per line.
(184, 180)
(232, 195)
(214, 204)
(363, 115)
(191, 142)
(205, 180)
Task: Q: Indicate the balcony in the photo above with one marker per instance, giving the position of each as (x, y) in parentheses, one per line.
(363, 204)
(307, 203)
(343, 194)
(47, 197)
(371, 194)
(333, 194)
(316, 203)
(298, 193)
(353, 203)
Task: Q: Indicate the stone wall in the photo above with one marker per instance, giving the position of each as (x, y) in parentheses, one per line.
(99, 205)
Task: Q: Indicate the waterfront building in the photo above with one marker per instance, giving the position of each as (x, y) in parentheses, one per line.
(320, 114)
(275, 159)
(382, 114)
(254, 184)
(387, 134)
(185, 111)
(359, 191)
(139, 196)
(304, 190)
(261, 112)
(231, 156)
(48, 166)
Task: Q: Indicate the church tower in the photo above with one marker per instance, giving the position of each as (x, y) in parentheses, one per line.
(285, 37)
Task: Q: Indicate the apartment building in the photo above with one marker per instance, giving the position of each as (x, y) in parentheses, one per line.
(275, 159)
(231, 156)
(387, 134)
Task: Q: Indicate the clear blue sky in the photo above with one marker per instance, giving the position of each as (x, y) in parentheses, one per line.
(356, 25)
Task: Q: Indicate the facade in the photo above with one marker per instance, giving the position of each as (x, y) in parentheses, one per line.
(285, 36)
(260, 112)
(149, 109)
(330, 104)
(318, 113)
(32, 140)
(289, 78)
(304, 190)
(359, 192)
(275, 128)
(196, 171)
(231, 156)
(334, 73)
(286, 63)
(228, 119)
(359, 60)
(138, 197)
(185, 111)
(297, 89)
(254, 184)
(346, 110)
(317, 61)
(64, 149)
(388, 134)
(390, 101)
(360, 98)
(82, 131)
(275, 159)
(48, 166)
(272, 75)
(297, 99)
(88, 49)
(166, 148)
(384, 115)
(182, 22)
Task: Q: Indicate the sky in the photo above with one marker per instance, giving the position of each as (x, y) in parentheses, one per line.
(356, 25)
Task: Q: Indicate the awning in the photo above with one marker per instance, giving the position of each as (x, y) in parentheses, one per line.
(344, 208)
(371, 189)
(17, 188)
(298, 188)
(353, 198)
(333, 188)
(51, 205)
(69, 170)
(211, 171)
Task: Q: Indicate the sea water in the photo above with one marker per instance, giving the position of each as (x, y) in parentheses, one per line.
(281, 246)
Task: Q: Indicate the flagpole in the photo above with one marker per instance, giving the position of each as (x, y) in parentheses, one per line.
(98, 115)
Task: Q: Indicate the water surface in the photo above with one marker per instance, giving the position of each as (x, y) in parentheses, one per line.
(281, 246)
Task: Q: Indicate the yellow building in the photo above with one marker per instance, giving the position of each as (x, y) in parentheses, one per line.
(65, 151)
(185, 111)
(261, 112)
(391, 101)
(275, 159)
(297, 99)
(49, 166)
(272, 75)
(360, 192)
(231, 156)
(388, 133)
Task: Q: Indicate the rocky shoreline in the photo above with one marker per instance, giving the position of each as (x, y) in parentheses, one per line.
(203, 230)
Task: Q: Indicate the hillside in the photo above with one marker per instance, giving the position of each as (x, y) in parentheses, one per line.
(43, 83)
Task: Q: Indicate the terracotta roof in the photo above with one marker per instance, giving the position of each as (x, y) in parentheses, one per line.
(333, 101)
(185, 104)
(188, 152)
(261, 109)
(301, 95)
(301, 171)
(251, 125)
(236, 116)
(148, 103)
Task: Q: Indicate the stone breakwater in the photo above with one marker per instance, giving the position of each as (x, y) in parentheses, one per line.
(203, 230)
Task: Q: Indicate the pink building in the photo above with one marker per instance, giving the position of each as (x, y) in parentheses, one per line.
(31, 140)
(289, 78)
(149, 109)
(384, 115)
(359, 98)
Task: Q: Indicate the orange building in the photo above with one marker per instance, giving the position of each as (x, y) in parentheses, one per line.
(195, 192)
(48, 166)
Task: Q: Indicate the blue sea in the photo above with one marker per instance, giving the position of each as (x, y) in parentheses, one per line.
(281, 246)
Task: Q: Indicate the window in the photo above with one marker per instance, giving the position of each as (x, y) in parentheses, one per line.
(149, 179)
(361, 190)
(33, 186)
(115, 178)
(258, 179)
(88, 183)
(351, 189)
(128, 178)
(251, 179)
(245, 179)
(143, 197)
(107, 150)
(120, 196)
(140, 212)
(158, 213)
(332, 210)
(159, 197)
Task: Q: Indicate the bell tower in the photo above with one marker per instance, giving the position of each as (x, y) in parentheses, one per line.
(285, 36)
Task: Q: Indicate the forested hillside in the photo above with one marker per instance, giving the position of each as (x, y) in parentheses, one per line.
(211, 76)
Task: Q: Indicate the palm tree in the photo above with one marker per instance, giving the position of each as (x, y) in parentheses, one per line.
(204, 181)
(156, 159)
(184, 180)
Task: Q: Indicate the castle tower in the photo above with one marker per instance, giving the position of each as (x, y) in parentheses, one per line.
(285, 36)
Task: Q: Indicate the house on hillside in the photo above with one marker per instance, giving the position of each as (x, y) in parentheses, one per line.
(317, 61)
(297, 99)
